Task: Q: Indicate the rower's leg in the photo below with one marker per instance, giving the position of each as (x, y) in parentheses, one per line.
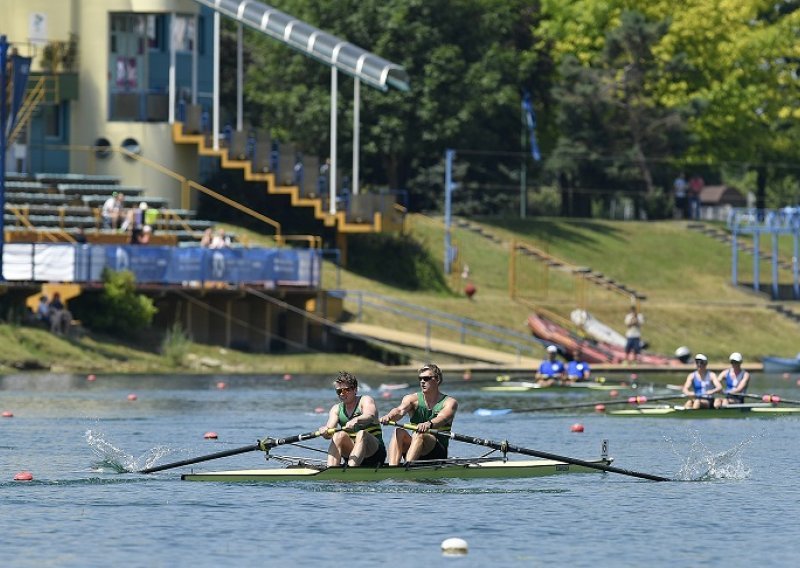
(366, 445)
(341, 446)
(398, 446)
(421, 445)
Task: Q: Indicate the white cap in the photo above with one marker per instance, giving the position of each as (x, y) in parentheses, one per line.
(700, 357)
(552, 349)
(736, 356)
(682, 351)
(143, 205)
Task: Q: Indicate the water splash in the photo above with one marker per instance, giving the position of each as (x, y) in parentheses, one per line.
(113, 459)
(703, 464)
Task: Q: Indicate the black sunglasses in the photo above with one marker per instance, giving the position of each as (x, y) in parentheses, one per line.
(426, 378)
(344, 389)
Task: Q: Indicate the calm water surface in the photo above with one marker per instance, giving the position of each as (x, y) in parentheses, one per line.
(737, 503)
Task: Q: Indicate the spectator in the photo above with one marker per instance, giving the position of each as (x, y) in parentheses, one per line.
(80, 237)
(220, 240)
(633, 334)
(141, 235)
(208, 236)
(112, 210)
(134, 218)
(56, 314)
(680, 187)
(696, 185)
(43, 311)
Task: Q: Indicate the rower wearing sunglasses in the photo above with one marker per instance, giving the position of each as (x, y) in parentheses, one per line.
(428, 408)
(358, 440)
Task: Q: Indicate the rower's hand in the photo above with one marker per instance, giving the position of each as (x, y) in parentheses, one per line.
(424, 427)
(325, 432)
(384, 420)
(351, 424)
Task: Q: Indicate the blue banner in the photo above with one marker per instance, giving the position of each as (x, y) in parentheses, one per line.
(20, 69)
(530, 120)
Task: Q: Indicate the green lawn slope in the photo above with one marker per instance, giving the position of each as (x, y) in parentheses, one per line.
(684, 275)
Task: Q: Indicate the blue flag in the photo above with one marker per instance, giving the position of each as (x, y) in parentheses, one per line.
(530, 119)
(20, 69)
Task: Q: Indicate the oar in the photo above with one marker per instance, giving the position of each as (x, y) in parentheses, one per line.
(630, 400)
(263, 445)
(506, 447)
(774, 398)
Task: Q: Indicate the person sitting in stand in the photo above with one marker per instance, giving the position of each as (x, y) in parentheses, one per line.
(429, 408)
(43, 310)
(578, 371)
(551, 370)
(734, 381)
(359, 442)
(701, 385)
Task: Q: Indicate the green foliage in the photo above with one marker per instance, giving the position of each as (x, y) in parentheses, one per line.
(175, 345)
(400, 261)
(120, 310)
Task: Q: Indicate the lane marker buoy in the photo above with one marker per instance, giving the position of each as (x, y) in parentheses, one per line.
(132, 397)
(8, 414)
(210, 436)
(599, 407)
(91, 378)
(24, 476)
(454, 546)
(222, 385)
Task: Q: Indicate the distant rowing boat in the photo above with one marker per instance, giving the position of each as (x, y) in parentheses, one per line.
(781, 364)
(445, 469)
(757, 410)
(525, 386)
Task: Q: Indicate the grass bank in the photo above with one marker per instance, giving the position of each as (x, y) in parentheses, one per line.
(685, 276)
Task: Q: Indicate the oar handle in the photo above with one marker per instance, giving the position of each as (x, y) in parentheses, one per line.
(413, 428)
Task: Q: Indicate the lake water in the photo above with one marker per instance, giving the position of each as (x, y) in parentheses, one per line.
(737, 503)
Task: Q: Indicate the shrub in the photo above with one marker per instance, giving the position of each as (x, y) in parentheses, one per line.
(120, 310)
(175, 345)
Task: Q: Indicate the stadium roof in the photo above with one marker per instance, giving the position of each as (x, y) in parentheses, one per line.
(315, 43)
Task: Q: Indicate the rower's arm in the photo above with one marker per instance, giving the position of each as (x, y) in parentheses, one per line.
(369, 412)
(687, 390)
(717, 385)
(742, 384)
(405, 407)
(446, 416)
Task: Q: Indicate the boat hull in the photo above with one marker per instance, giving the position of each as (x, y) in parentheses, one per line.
(781, 364)
(731, 411)
(512, 469)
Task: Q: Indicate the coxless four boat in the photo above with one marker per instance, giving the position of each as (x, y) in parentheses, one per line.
(757, 410)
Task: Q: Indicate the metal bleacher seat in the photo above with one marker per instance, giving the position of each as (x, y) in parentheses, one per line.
(93, 188)
(53, 179)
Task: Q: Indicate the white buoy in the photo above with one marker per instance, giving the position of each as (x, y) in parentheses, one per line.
(454, 547)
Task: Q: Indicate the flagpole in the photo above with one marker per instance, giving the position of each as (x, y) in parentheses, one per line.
(3, 118)
(523, 170)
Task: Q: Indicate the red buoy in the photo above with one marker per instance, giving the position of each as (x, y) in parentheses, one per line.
(467, 375)
(132, 397)
(775, 398)
(470, 290)
(91, 378)
(641, 399)
(319, 410)
(613, 394)
(222, 385)
(287, 377)
(631, 400)
(24, 476)
(767, 398)
(577, 428)
(210, 436)
(634, 376)
(386, 394)
(8, 414)
(599, 407)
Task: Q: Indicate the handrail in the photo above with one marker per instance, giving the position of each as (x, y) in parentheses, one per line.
(29, 105)
(438, 318)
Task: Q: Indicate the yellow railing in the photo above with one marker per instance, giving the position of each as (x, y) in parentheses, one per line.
(33, 97)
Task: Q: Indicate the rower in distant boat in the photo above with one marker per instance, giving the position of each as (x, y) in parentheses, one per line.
(735, 382)
(551, 370)
(428, 408)
(359, 439)
(578, 371)
(701, 384)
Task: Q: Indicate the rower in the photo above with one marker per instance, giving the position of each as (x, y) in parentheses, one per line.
(578, 371)
(551, 370)
(428, 408)
(735, 382)
(701, 384)
(359, 439)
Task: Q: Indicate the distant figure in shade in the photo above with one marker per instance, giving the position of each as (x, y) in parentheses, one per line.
(43, 310)
(734, 382)
(633, 334)
(679, 188)
(80, 236)
(578, 371)
(551, 370)
(701, 385)
(208, 236)
(696, 185)
(60, 317)
(220, 240)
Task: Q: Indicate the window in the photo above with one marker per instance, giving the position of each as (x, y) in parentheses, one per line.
(184, 33)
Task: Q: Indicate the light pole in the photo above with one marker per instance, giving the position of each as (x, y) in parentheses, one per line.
(448, 190)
